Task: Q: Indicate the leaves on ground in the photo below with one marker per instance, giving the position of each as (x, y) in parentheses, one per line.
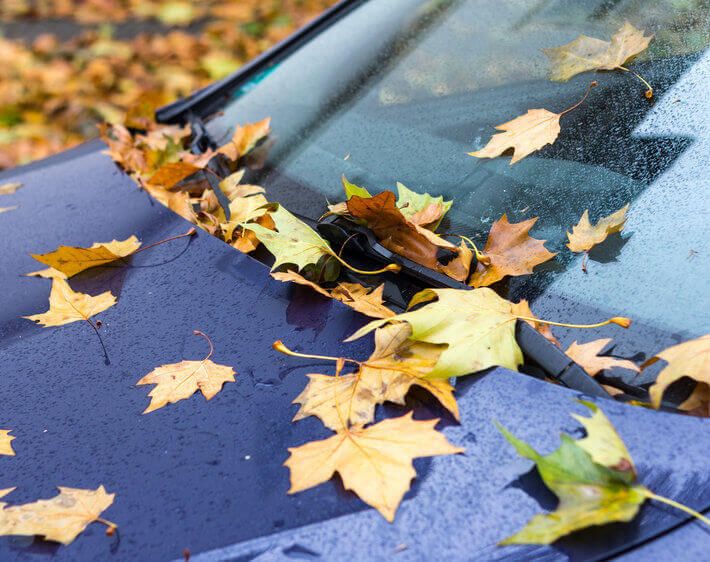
(178, 381)
(587, 355)
(407, 239)
(594, 478)
(478, 327)
(71, 260)
(396, 365)
(375, 462)
(6, 442)
(66, 305)
(363, 299)
(588, 53)
(61, 518)
(584, 236)
(509, 250)
(687, 359)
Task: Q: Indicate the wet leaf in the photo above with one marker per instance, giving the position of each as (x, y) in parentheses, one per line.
(6, 442)
(352, 189)
(66, 305)
(587, 53)
(363, 299)
(61, 518)
(178, 381)
(584, 236)
(375, 462)
(71, 260)
(394, 367)
(478, 327)
(522, 308)
(421, 208)
(582, 475)
(171, 174)
(687, 359)
(587, 355)
(245, 138)
(510, 251)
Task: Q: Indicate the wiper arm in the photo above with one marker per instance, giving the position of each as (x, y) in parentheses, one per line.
(552, 360)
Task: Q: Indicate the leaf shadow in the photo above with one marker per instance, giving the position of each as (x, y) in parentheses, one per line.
(610, 250)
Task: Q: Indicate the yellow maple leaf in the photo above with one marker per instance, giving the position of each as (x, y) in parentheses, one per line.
(363, 299)
(71, 260)
(6, 443)
(588, 53)
(375, 462)
(394, 367)
(178, 381)
(66, 305)
(245, 138)
(584, 236)
(687, 359)
(61, 518)
(586, 355)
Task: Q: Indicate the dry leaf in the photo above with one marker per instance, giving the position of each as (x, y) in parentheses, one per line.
(588, 53)
(71, 260)
(49, 273)
(510, 251)
(66, 306)
(687, 359)
(6, 442)
(178, 381)
(169, 175)
(522, 308)
(60, 519)
(587, 355)
(245, 138)
(10, 188)
(524, 134)
(584, 236)
(375, 462)
(394, 367)
(363, 299)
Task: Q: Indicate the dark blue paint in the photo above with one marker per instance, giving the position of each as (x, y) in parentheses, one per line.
(204, 475)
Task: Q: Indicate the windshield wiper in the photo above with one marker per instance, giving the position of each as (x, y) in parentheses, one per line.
(543, 353)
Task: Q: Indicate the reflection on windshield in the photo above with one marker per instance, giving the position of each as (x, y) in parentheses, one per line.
(401, 90)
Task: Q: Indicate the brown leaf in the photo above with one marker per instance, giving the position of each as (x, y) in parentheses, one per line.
(511, 251)
(587, 355)
(587, 53)
(169, 175)
(375, 462)
(71, 260)
(584, 236)
(245, 138)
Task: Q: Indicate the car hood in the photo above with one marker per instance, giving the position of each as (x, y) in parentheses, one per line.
(209, 477)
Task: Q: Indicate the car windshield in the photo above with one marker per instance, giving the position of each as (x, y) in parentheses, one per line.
(402, 90)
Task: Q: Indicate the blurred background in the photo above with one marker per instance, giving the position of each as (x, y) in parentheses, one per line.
(67, 65)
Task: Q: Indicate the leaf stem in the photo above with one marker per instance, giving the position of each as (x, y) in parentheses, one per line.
(480, 256)
(648, 93)
(592, 84)
(279, 346)
(188, 233)
(391, 267)
(650, 495)
(618, 320)
(101, 341)
(209, 341)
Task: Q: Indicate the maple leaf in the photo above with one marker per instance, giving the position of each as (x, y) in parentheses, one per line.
(396, 365)
(588, 53)
(172, 173)
(509, 250)
(66, 305)
(363, 299)
(178, 381)
(522, 309)
(587, 355)
(352, 189)
(10, 188)
(687, 359)
(375, 462)
(71, 260)
(6, 443)
(478, 327)
(403, 237)
(245, 138)
(584, 236)
(421, 208)
(61, 518)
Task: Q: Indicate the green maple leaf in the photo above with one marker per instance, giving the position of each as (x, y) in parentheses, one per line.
(410, 203)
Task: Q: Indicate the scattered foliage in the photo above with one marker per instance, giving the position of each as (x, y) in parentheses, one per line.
(70, 260)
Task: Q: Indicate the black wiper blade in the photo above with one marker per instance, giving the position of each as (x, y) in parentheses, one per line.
(552, 360)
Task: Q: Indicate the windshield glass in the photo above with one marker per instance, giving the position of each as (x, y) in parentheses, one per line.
(402, 90)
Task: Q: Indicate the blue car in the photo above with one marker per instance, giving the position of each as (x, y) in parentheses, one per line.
(381, 92)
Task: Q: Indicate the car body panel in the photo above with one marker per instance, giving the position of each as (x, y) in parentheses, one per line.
(208, 476)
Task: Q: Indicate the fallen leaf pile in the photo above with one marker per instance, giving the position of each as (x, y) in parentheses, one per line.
(594, 479)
